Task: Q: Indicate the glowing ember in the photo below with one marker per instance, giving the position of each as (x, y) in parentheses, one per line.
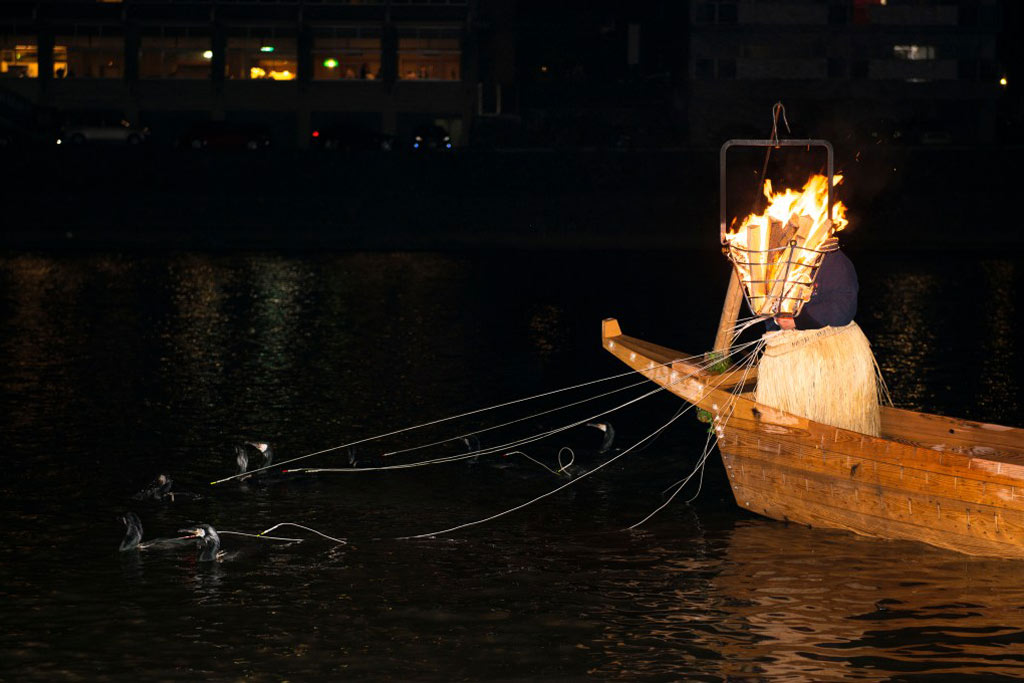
(777, 253)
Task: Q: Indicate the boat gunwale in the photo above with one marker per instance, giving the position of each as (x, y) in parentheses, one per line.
(1000, 466)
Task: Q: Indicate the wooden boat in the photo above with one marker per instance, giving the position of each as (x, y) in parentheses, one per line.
(947, 482)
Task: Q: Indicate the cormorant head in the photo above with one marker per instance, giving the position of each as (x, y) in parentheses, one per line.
(242, 459)
(609, 435)
(264, 448)
(207, 541)
(158, 489)
(133, 531)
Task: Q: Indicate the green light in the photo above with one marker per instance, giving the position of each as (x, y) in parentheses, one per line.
(267, 48)
(330, 63)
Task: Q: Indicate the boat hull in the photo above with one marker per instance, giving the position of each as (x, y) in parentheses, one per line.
(963, 493)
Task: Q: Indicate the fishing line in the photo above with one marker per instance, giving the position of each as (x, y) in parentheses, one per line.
(260, 536)
(681, 484)
(561, 468)
(147, 544)
(512, 422)
(745, 325)
(487, 451)
(438, 421)
(563, 486)
(717, 431)
(634, 447)
(718, 423)
(700, 482)
(534, 500)
(340, 541)
(515, 443)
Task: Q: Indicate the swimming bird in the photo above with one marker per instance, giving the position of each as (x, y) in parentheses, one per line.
(133, 531)
(609, 435)
(159, 489)
(133, 536)
(207, 541)
(242, 457)
(472, 446)
(242, 460)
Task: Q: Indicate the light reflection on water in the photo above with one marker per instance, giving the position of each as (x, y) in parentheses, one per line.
(789, 603)
(999, 338)
(122, 366)
(945, 329)
(904, 330)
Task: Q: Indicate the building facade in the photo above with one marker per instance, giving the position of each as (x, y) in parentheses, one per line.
(291, 66)
(921, 71)
(575, 73)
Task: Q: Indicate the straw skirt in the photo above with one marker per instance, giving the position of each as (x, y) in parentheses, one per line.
(827, 375)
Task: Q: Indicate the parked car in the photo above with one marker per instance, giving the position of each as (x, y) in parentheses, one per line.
(225, 135)
(122, 132)
(352, 138)
(425, 138)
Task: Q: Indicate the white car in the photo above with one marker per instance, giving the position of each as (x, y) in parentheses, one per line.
(121, 132)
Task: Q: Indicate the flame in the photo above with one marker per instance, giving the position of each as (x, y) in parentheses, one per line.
(777, 252)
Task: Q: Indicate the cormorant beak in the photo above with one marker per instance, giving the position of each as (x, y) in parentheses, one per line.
(193, 533)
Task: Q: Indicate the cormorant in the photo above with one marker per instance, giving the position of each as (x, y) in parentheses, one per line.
(242, 457)
(609, 435)
(207, 541)
(159, 489)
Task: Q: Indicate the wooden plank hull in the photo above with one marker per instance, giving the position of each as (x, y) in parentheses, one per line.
(950, 483)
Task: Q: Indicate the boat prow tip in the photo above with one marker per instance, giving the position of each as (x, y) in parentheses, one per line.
(610, 328)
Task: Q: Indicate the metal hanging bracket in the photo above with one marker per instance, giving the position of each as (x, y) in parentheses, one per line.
(771, 144)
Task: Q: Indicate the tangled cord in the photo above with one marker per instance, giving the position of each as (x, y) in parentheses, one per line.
(562, 467)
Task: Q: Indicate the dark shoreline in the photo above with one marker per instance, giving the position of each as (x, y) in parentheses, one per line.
(153, 198)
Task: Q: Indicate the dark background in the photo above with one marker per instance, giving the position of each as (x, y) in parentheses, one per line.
(606, 134)
(160, 304)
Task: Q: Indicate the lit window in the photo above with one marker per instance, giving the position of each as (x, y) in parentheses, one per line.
(19, 57)
(89, 52)
(267, 57)
(914, 52)
(182, 56)
(346, 54)
(429, 54)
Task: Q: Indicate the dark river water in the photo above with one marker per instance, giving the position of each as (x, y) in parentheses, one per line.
(120, 366)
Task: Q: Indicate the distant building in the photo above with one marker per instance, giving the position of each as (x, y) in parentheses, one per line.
(516, 72)
(291, 66)
(920, 71)
(599, 73)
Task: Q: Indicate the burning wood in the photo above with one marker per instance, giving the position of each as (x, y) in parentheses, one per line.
(777, 252)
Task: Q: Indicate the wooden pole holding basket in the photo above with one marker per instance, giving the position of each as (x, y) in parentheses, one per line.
(730, 312)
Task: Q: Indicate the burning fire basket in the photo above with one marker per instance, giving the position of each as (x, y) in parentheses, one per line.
(776, 254)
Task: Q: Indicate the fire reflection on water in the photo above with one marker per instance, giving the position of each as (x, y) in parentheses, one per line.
(783, 602)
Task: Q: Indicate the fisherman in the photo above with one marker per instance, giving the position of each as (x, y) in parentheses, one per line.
(819, 364)
(833, 301)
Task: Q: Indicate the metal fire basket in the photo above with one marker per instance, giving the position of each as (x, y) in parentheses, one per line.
(780, 295)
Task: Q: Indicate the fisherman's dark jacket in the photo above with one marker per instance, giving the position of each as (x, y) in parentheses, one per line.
(834, 299)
